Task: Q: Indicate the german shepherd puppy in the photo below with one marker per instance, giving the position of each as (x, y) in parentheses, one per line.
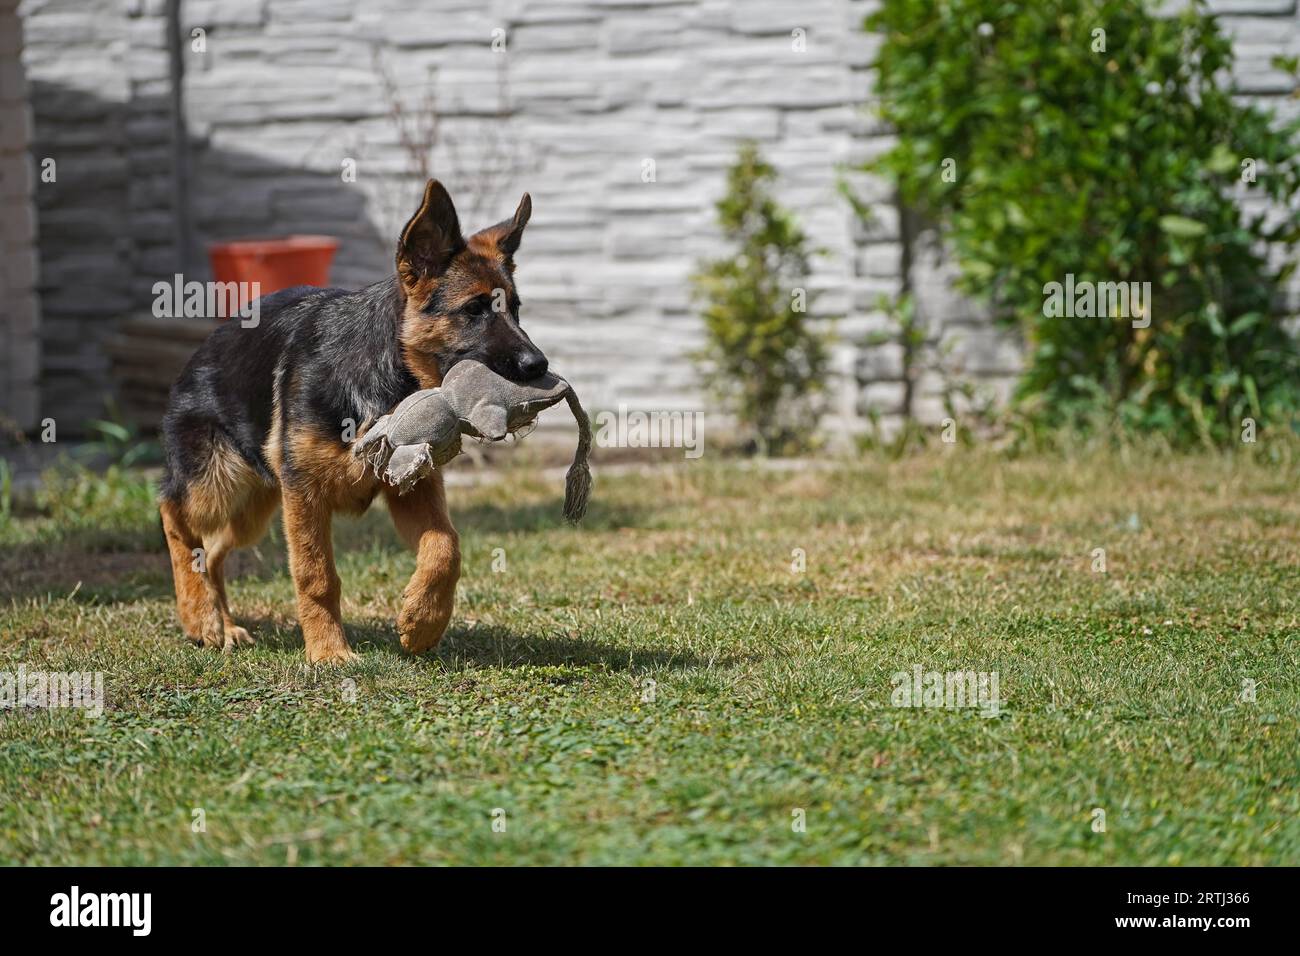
(264, 416)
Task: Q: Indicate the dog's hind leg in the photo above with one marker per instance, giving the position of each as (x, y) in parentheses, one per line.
(200, 617)
(245, 528)
(225, 504)
(421, 518)
(218, 546)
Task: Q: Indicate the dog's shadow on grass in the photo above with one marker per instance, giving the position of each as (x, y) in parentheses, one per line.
(142, 572)
(545, 516)
(467, 647)
(374, 529)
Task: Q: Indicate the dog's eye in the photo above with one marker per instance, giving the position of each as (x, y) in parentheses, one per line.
(478, 310)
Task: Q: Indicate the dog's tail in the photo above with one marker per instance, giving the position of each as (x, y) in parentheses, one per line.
(577, 483)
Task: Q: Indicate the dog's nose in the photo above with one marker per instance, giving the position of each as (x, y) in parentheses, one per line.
(531, 365)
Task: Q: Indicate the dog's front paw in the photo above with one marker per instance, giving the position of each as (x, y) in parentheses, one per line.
(419, 636)
(331, 655)
(211, 630)
(236, 636)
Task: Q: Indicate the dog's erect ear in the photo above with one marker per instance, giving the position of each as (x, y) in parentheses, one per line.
(507, 235)
(430, 239)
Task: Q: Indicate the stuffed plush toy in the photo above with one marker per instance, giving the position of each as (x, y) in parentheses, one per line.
(423, 432)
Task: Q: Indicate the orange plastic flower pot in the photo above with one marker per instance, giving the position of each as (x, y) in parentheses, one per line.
(272, 263)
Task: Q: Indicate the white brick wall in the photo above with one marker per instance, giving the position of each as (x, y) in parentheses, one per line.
(596, 89)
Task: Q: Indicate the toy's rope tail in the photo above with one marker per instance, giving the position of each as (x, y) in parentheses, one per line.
(577, 483)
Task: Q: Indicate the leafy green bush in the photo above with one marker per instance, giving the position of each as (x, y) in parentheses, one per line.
(763, 358)
(1095, 139)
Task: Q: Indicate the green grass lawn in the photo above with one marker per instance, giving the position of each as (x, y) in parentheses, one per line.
(1120, 691)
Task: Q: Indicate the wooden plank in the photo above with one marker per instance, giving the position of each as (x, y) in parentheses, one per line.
(166, 357)
(183, 330)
